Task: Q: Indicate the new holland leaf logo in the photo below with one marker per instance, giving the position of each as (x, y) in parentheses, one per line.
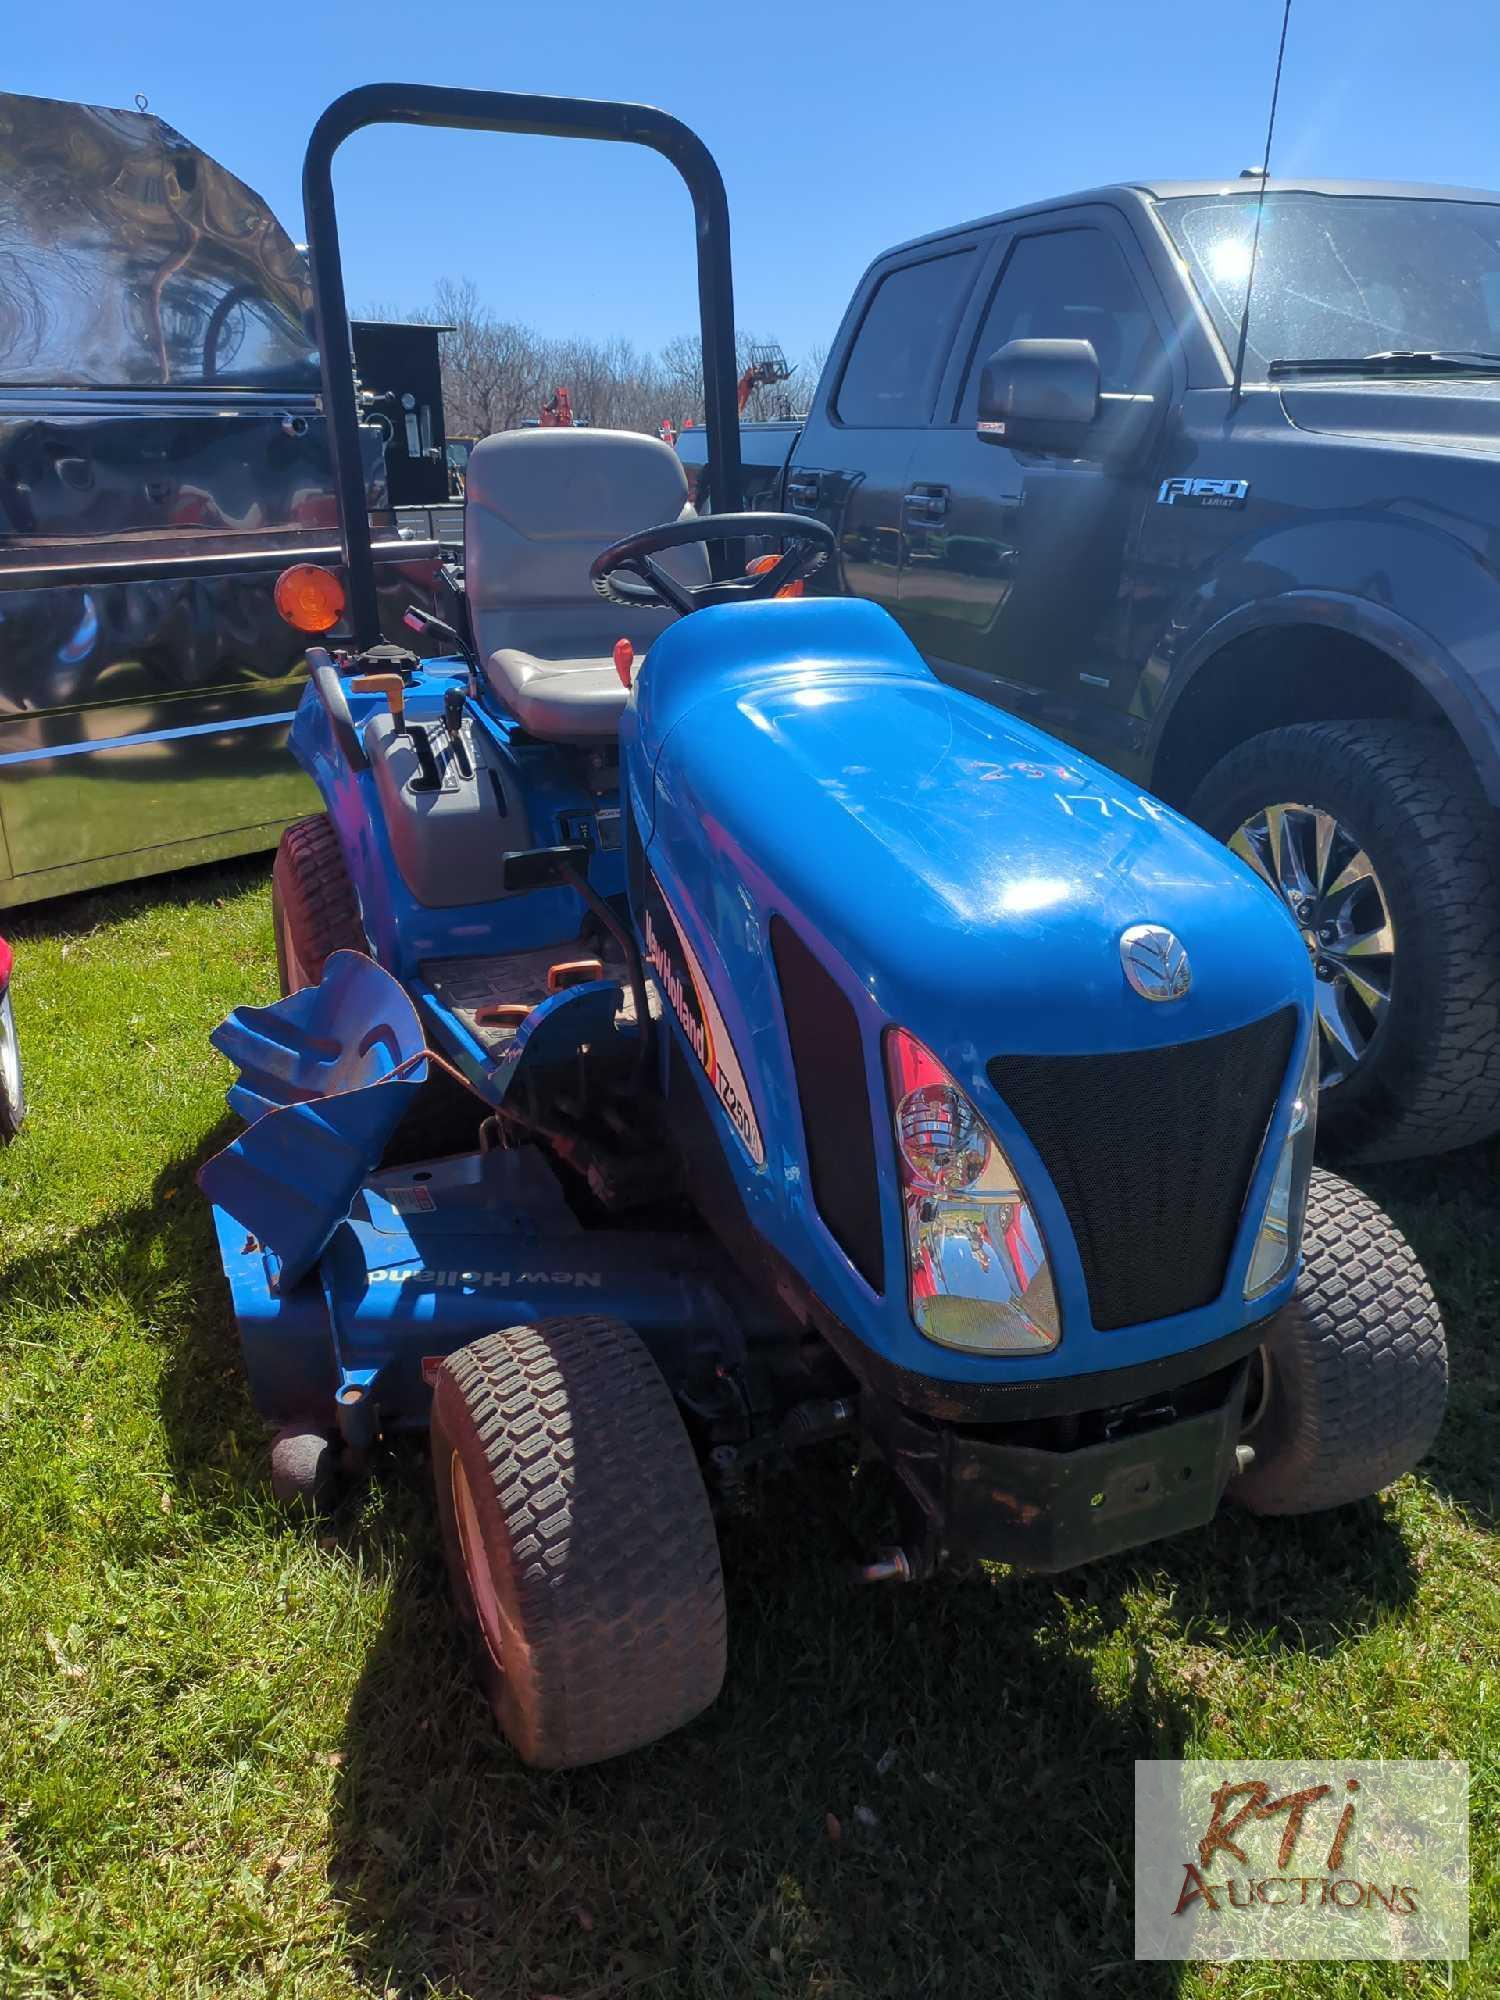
(1155, 961)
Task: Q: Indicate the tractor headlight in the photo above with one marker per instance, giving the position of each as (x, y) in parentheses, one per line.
(1281, 1225)
(977, 1264)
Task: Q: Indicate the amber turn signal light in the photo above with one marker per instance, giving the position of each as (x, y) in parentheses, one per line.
(308, 598)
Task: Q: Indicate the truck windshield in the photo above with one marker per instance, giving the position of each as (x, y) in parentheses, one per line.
(1344, 276)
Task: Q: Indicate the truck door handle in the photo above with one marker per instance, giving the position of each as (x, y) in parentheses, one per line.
(802, 489)
(930, 502)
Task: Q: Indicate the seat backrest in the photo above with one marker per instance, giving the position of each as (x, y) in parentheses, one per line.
(539, 506)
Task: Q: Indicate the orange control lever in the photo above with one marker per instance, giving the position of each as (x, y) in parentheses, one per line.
(391, 686)
(624, 659)
(760, 564)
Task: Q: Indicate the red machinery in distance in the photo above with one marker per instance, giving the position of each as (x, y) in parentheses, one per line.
(767, 365)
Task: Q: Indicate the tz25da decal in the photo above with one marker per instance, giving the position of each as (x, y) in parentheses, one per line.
(687, 992)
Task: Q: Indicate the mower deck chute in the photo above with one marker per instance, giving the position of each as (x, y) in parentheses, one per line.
(326, 1075)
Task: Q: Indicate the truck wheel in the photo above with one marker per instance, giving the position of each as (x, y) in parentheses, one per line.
(12, 1087)
(1348, 1390)
(578, 1539)
(1379, 840)
(314, 912)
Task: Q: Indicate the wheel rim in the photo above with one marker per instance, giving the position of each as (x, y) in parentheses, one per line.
(10, 1059)
(476, 1562)
(1328, 882)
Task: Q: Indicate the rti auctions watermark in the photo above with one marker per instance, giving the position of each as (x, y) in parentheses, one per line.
(1293, 1860)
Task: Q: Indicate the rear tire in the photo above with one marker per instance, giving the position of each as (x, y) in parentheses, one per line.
(579, 1539)
(1355, 1367)
(1405, 794)
(314, 911)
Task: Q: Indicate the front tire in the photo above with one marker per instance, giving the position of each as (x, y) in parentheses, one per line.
(1380, 841)
(314, 910)
(1349, 1388)
(579, 1539)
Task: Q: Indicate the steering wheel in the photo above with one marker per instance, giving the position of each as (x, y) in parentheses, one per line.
(648, 583)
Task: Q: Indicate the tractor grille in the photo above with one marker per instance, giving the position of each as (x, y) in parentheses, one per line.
(1151, 1153)
(828, 1056)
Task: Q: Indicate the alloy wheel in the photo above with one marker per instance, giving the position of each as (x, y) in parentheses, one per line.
(1328, 882)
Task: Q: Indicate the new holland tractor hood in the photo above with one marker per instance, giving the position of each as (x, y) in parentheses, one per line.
(847, 848)
(974, 875)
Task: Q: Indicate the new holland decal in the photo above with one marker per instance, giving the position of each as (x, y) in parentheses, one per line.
(686, 991)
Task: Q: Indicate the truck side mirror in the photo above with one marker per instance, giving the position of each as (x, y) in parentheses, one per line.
(1040, 395)
(1044, 396)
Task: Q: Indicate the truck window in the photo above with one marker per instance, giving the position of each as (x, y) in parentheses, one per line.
(891, 375)
(1345, 275)
(1070, 284)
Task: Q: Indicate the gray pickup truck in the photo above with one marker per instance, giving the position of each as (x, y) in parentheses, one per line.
(1276, 606)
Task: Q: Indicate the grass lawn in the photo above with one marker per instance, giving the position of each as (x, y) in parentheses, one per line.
(244, 1758)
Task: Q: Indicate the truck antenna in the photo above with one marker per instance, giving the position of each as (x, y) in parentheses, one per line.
(1238, 388)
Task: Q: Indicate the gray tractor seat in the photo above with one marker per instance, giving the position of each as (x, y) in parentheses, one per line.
(539, 507)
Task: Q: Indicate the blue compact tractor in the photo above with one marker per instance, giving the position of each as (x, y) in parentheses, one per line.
(707, 1034)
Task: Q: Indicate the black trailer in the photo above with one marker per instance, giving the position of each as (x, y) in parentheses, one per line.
(164, 454)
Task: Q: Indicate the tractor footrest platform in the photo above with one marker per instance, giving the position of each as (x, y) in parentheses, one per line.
(492, 996)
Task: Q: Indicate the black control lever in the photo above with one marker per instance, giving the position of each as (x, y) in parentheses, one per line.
(453, 722)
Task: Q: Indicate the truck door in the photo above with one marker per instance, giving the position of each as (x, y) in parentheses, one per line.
(849, 467)
(1013, 578)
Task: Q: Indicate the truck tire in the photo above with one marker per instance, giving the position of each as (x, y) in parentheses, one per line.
(1349, 1388)
(1410, 1020)
(578, 1538)
(314, 912)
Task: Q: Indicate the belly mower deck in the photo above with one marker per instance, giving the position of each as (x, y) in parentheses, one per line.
(349, 1283)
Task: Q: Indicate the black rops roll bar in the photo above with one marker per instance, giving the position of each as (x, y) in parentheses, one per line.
(503, 111)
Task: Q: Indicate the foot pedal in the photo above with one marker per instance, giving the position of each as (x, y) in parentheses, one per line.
(504, 1014)
(573, 972)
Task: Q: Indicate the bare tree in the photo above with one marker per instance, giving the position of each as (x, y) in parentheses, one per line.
(497, 373)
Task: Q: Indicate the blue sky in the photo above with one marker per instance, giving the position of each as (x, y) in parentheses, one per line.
(841, 125)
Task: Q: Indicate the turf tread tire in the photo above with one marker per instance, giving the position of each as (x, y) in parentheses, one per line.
(1410, 795)
(602, 1548)
(314, 908)
(1359, 1364)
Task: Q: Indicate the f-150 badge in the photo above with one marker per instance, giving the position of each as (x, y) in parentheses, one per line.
(1203, 493)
